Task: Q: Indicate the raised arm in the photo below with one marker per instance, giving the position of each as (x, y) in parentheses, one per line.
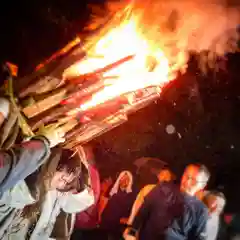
(138, 219)
(139, 201)
(78, 202)
(21, 161)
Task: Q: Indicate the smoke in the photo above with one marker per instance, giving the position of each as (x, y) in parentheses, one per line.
(183, 26)
(195, 25)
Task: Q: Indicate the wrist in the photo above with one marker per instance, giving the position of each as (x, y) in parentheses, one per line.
(132, 232)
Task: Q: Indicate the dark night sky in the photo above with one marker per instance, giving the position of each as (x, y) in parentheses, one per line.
(38, 29)
(30, 35)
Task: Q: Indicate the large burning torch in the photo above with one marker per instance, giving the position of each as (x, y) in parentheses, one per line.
(92, 91)
(91, 86)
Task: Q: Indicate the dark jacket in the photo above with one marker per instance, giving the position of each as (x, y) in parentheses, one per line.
(169, 214)
(192, 224)
(118, 206)
(21, 161)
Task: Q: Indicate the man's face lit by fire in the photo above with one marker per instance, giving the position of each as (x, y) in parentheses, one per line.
(65, 181)
(193, 180)
(124, 181)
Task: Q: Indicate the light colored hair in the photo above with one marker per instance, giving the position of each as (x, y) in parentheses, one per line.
(115, 188)
(201, 169)
(216, 194)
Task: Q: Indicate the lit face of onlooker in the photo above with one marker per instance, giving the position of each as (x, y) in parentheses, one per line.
(65, 181)
(193, 180)
(124, 181)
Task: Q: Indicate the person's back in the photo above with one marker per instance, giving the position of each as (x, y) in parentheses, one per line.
(161, 206)
(167, 213)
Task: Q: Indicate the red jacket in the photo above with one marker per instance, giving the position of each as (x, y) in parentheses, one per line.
(89, 218)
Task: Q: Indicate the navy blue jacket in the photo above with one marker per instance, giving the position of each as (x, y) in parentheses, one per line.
(168, 214)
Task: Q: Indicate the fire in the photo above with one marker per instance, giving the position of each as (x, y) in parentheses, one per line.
(147, 67)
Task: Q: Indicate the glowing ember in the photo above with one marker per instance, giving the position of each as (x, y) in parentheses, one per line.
(146, 68)
(139, 47)
(160, 35)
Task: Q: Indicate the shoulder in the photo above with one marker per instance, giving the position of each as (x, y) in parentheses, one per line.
(147, 188)
(192, 200)
(167, 191)
(145, 191)
(196, 206)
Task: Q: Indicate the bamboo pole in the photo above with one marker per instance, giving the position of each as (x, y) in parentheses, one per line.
(45, 104)
(93, 129)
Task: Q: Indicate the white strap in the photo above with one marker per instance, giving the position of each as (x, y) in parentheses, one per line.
(4, 107)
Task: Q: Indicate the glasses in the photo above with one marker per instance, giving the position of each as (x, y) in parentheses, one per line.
(193, 178)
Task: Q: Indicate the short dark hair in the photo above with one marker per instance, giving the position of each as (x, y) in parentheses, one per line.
(70, 161)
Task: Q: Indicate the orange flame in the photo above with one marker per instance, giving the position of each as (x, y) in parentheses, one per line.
(159, 34)
(131, 75)
(150, 65)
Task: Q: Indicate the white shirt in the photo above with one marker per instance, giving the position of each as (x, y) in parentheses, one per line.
(212, 227)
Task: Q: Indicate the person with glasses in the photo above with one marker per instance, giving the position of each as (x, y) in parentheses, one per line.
(172, 213)
(194, 180)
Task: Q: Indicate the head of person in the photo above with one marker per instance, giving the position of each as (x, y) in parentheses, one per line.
(215, 202)
(123, 183)
(194, 179)
(124, 180)
(67, 175)
(165, 175)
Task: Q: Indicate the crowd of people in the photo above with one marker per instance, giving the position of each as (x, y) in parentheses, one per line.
(41, 189)
(163, 210)
(47, 192)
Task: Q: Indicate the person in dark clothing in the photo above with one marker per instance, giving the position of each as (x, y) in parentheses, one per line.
(155, 215)
(192, 224)
(118, 208)
(168, 213)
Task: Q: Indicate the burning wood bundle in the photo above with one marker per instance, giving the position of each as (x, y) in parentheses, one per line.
(87, 89)
(90, 87)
